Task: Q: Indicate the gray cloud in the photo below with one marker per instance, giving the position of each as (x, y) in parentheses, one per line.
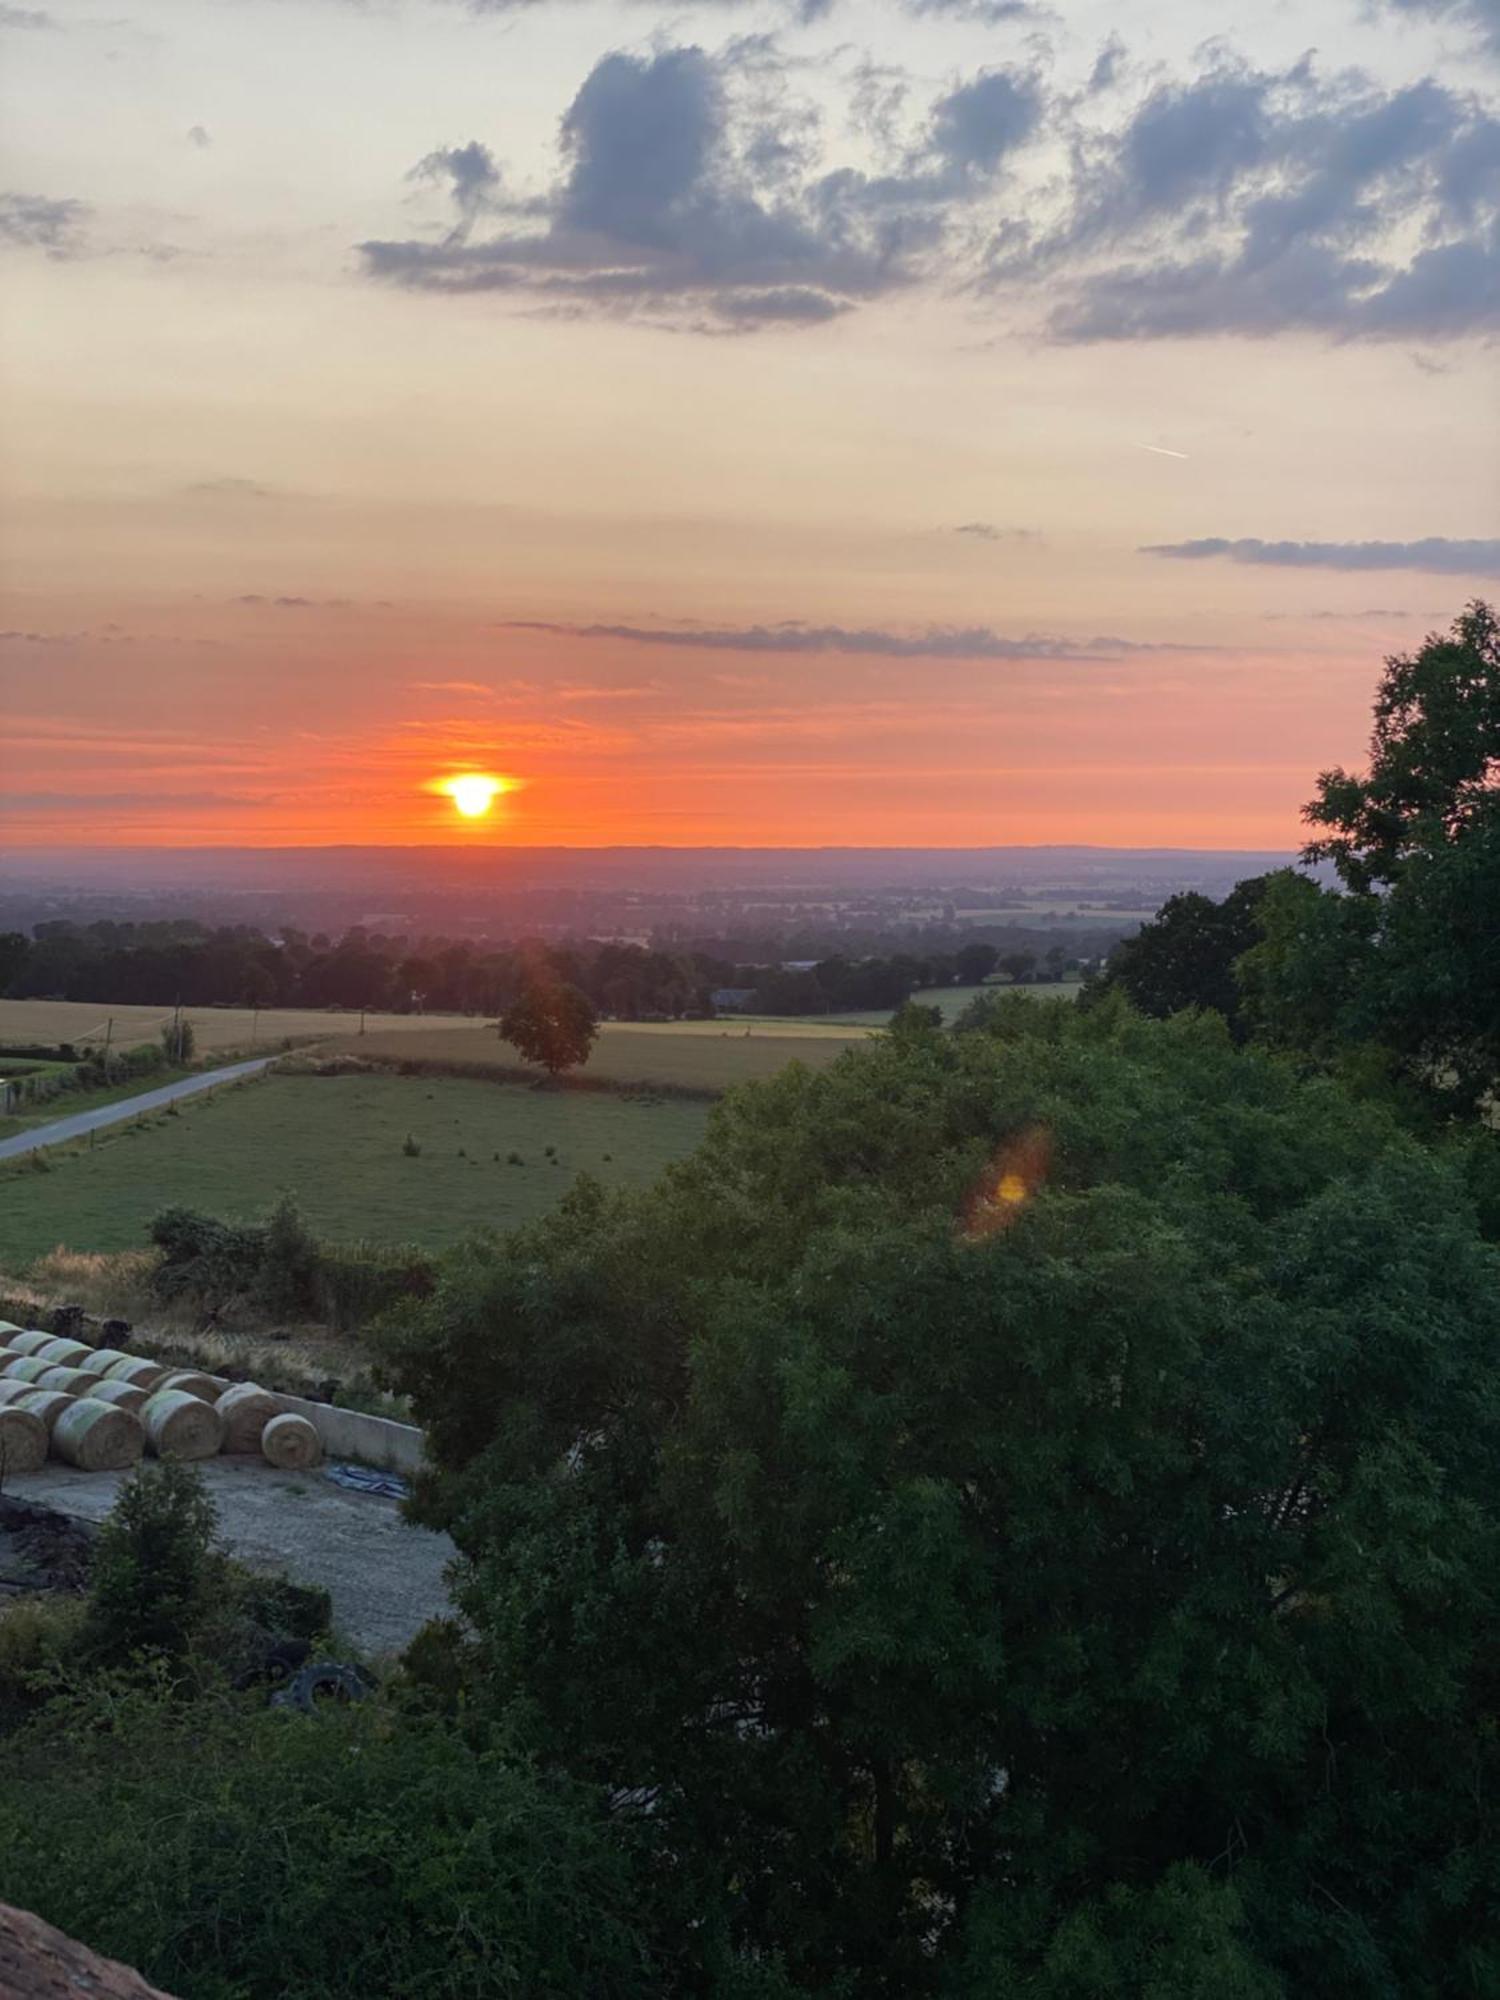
(691, 192)
(200, 136)
(41, 222)
(254, 598)
(31, 19)
(229, 488)
(1435, 554)
(986, 531)
(937, 642)
(1256, 202)
(1480, 17)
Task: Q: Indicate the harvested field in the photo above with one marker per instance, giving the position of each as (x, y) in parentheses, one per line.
(214, 1028)
(706, 1056)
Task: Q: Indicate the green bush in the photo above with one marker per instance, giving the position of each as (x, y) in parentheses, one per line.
(204, 1259)
(357, 1282)
(156, 1573)
(232, 1853)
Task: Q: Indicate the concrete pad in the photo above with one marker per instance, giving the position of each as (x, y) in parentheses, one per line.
(385, 1577)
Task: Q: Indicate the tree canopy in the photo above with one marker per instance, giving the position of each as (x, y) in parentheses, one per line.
(552, 1023)
(1015, 1512)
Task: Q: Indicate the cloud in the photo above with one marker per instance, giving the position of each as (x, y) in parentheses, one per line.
(230, 488)
(937, 642)
(986, 531)
(42, 222)
(1481, 17)
(30, 19)
(1435, 554)
(1256, 202)
(293, 603)
(200, 136)
(692, 191)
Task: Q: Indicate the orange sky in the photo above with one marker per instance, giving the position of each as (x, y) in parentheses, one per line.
(282, 542)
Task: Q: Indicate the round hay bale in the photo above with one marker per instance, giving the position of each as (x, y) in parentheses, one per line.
(30, 1368)
(181, 1426)
(73, 1381)
(193, 1382)
(9, 1326)
(97, 1437)
(62, 1353)
(12, 1392)
(136, 1370)
(98, 1359)
(23, 1441)
(290, 1443)
(124, 1395)
(48, 1404)
(246, 1410)
(27, 1341)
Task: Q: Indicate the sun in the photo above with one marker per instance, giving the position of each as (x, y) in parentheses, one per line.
(473, 792)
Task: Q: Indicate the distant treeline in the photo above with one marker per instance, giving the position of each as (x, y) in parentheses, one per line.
(184, 962)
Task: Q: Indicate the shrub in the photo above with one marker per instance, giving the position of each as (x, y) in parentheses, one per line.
(237, 1854)
(410, 1147)
(356, 1282)
(155, 1568)
(286, 1283)
(178, 1042)
(203, 1258)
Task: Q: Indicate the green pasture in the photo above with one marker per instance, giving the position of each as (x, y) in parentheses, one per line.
(336, 1144)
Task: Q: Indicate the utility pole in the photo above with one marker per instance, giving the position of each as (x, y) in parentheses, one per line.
(361, 1020)
(109, 1032)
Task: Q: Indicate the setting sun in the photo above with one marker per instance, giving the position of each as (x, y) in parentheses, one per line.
(474, 792)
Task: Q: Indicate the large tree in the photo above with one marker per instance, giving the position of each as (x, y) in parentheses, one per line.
(1407, 957)
(551, 1022)
(1185, 956)
(1016, 1512)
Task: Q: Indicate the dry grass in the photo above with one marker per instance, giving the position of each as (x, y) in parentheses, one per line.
(300, 1361)
(699, 1056)
(215, 1028)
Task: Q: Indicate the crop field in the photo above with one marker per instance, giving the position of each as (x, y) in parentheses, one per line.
(681, 1055)
(952, 1001)
(80, 1021)
(338, 1145)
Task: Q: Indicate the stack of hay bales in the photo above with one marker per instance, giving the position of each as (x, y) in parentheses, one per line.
(99, 1408)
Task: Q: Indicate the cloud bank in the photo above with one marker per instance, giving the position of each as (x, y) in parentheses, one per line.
(936, 642)
(1435, 554)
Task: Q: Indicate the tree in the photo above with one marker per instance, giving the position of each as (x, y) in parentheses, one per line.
(975, 963)
(1018, 965)
(551, 1023)
(15, 948)
(1186, 955)
(1415, 843)
(1014, 1508)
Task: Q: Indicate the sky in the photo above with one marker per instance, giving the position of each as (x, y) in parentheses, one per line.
(783, 422)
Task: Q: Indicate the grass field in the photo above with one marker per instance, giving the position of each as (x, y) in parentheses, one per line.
(336, 1144)
(214, 1028)
(682, 1055)
(952, 1000)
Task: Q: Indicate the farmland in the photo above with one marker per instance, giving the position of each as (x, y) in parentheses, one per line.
(337, 1144)
(214, 1028)
(702, 1056)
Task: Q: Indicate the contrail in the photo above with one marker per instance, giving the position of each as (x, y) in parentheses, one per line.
(1161, 450)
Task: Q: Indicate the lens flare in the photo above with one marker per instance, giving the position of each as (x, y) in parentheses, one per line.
(1013, 1176)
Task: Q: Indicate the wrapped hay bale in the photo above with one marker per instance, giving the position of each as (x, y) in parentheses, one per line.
(245, 1411)
(290, 1443)
(23, 1441)
(73, 1381)
(193, 1382)
(181, 1426)
(124, 1395)
(135, 1369)
(8, 1326)
(28, 1341)
(97, 1437)
(48, 1404)
(30, 1368)
(12, 1392)
(98, 1359)
(62, 1353)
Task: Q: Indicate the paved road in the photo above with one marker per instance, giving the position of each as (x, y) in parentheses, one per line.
(83, 1122)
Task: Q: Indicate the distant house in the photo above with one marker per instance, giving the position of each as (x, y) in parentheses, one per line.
(800, 964)
(731, 999)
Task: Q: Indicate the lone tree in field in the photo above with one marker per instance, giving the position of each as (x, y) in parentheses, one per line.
(551, 1023)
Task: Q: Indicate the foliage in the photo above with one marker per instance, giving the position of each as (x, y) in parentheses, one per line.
(156, 1569)
(288, 1264)
(1186, 955)
(551, 1023)
(232, 1853)
(178, 1041)
(1016, 1512)
(1416, 844)
(202, 1258)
